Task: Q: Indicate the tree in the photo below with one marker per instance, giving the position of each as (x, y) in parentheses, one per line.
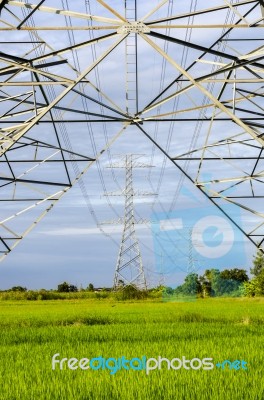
(18, 289)
(216, 283)
(250, 288)
(90, 287)
(191, 286)
(63, 287)
(236, 274)
(232, 280)
(210, 282)
(258, 263)
(256, 286)
(260, 284)
(206, 286)
(168, 290)
(66, 287)
(73, 288)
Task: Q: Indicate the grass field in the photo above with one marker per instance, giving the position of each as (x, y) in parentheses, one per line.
(32, 332)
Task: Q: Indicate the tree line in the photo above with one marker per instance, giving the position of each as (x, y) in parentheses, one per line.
(212, 283)
(229, 282)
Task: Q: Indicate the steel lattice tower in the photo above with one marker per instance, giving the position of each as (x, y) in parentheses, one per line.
(129, 265)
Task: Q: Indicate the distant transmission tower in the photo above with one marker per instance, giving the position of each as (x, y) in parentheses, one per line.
(191, 267)
(129, 267)
(162, 276)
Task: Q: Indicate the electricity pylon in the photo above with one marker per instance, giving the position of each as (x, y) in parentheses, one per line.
(219, 83)
(129, 267)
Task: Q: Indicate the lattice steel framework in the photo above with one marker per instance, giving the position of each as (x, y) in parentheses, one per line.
(44, 92)
(129, 267)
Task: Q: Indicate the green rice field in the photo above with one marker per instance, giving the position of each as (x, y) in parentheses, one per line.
(33, 331)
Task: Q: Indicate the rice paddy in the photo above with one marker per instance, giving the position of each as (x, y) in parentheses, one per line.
(222, 329)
